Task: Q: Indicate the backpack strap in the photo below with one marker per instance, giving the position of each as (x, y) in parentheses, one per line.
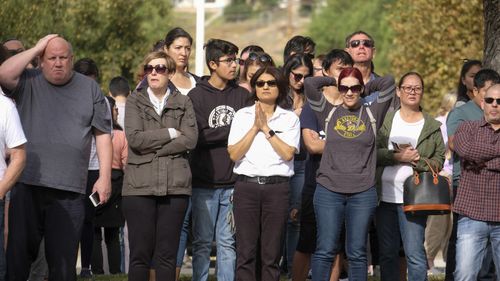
(373, 121)
(327, 120)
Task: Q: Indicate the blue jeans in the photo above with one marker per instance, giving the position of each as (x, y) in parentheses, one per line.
(392, 226)
(332, 209)
(210, 210)
(295, 200)
(472, 241)
(184, 236)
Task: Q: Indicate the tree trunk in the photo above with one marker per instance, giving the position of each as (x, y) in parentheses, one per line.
(492, 34)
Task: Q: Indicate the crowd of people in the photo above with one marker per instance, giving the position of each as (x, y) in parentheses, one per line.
(291, 170)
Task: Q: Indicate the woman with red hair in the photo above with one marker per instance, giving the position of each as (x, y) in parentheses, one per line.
(345, 192)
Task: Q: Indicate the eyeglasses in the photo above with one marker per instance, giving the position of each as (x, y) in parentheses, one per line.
(159, 68)
(297, 76)
(366, 43)
(491, 100)
(229, 61)
(264, 58)
(270, 83)
(356, 89)
(409, 89)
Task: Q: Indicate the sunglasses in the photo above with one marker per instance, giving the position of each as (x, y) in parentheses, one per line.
(491, 100)
(159, 68)
(270, 83)
(356, 89)
(297, 76)
(366, 43)
(264, 58)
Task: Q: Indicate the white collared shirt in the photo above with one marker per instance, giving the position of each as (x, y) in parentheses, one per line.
(159, 105)
(261, 159)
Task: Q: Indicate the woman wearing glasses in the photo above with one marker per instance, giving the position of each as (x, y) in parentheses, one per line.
(262, 142)
(296, 69)
(254, 62)
(408, 138)
(345, 191)
(160, 127)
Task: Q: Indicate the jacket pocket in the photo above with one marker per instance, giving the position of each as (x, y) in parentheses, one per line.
(173, 118)
(181, 173)
(138, 173)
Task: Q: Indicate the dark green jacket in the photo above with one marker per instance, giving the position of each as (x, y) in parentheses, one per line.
(430, 146)
(158, 165)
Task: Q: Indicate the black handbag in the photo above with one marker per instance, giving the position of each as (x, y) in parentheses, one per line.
(427, 193)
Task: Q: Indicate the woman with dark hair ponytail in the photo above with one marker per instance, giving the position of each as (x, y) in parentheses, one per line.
(466, 81)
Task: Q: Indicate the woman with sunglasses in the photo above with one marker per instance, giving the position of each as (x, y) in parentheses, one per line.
(262, 142)
(407, 139)
(296, 69)
(254, 62)
(345, 191)
(160, 127)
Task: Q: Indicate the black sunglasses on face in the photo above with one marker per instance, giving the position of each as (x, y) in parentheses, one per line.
(366, 43)
(491, 100)
(159, 68)
(270, 83)
(356, 89)
(297, 76)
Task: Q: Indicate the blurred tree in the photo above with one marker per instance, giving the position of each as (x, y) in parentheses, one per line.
(332, 23)
(492, 34)
(114, 33)
(433, 38)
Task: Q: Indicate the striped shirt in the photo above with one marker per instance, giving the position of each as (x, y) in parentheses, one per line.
(478, 145)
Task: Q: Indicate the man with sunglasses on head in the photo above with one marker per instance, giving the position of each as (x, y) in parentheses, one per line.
(60, 110)
(470, 111)
(216, 98)
(478, 144)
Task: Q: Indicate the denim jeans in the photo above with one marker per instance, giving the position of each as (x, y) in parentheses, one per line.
(293, 226)
(184, 235)
(472, 242)
(392, 226)
(332, 209)
(210, 210)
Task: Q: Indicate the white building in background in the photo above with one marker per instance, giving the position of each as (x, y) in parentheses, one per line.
(208, 3)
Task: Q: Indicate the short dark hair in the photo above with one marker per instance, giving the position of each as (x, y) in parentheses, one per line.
(461, 88)
(158, 46)
(337, 55)
(484, 75)
(252, 48)
(299, 44)
(217, 48)
(348, 38)
(295, 61)
(118, 86)
(410, 74)
(175, 33)
(4, 54)
(282, 83)
(87, 67)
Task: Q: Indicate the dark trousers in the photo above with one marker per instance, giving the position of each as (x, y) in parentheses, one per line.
(87, 238)
(154, 225)
(260, 213)
(37, 212)
(112, 241)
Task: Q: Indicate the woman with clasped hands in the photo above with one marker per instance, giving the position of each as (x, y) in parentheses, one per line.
(160, 126)
(262, 141)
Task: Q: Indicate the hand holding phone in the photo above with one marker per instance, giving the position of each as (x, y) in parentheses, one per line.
(94, 198)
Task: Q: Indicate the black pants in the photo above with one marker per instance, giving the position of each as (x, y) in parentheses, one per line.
(87, 238)
(154, 226)
(112, 241)
(37, 212)
(260, 213)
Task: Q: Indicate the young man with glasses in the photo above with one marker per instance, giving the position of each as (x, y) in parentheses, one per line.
(216, 98)
(478, 144)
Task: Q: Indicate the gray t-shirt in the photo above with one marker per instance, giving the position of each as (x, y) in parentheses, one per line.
(58, 121)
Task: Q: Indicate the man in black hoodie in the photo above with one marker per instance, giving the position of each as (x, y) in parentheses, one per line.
(216, 98)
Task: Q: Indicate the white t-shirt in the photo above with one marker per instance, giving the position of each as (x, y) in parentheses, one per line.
(393, 177)
(185, 91)
(11, 131)
(121, 113)
(261, 159)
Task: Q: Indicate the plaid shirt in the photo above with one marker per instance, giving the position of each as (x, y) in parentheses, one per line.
(478, 194)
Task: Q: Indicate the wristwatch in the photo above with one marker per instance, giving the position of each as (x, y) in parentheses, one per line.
(270, 134)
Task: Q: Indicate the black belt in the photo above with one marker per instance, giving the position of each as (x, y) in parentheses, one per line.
(263, 180)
